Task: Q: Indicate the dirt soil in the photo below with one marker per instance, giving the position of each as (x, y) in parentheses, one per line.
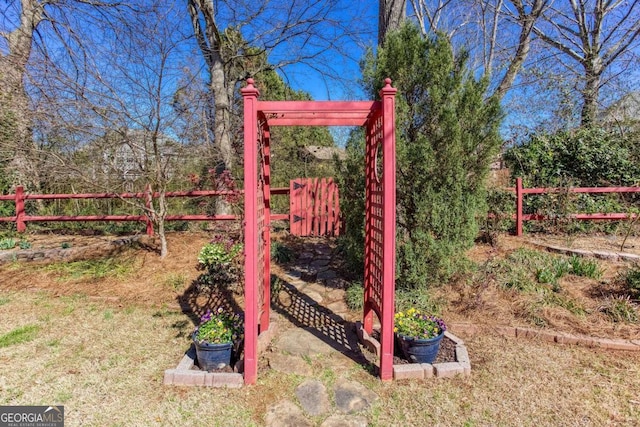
(149, 281)
(152, 281)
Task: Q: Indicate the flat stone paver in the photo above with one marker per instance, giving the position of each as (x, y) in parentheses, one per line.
(313, 397)
(289, 364)
(320, 262)
(300, 341)
(339, 307)
(286, 414)
(294, 274)
(326, 275)
(314, 295)
(351, 396)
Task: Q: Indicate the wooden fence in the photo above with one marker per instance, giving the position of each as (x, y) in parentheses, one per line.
(521, 192)
(314, 207)
(21, 218)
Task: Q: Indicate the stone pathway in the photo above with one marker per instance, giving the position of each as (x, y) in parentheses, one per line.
(350, 400)
(316, 330)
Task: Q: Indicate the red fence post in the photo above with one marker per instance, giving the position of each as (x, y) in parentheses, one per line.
(148, 195)
(518, 206)
(20, 224)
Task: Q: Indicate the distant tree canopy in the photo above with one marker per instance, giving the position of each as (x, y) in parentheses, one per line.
(447, 134)
(586, 157)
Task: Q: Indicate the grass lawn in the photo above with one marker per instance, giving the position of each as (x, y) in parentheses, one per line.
(104, 361)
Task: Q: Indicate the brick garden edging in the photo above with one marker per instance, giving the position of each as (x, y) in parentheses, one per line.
(609, 256)
(419, 371)
(188, 374)
(549, 336)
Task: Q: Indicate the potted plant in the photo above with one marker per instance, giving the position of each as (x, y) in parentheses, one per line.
(419, 335)
(214, 338)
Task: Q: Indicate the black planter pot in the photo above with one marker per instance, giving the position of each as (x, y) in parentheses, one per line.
(418, 350)
(212, 356)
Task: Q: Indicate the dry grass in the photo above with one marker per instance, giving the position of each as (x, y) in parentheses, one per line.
(144, 278)
(105, 364)
(104, 359)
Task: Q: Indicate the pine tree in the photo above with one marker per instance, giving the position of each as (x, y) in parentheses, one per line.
(446, 136)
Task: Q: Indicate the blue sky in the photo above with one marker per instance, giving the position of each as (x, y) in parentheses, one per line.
(359, 16)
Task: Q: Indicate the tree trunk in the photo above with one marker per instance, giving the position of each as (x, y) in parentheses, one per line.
(163, 239)
(526, 22)
(222, 116)
(390, 16)
(15, 114)
(590, 95)
(220, 85)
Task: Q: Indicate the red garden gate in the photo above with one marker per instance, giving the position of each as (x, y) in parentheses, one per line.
(314, 207)
(378, 117)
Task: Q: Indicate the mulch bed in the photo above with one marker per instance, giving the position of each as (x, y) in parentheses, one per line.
(446, 353)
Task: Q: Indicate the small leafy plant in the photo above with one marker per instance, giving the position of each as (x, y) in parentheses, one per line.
(220, 259)
(281, 253)
(620, 309)
(354, 296)
(8, 243)
(220, 251)
(632, 280)
(219, 327)
(413, 323)
(585, 267)
(23, 244)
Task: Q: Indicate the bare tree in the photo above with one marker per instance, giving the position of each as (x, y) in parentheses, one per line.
(488, 28)
(599, 36)
(21, 32)
(14, 102)
(239, 39)
(117, 116)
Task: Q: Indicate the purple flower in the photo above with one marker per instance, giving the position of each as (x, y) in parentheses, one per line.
(206, 317)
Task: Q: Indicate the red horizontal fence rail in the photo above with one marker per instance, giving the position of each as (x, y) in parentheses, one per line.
(521, 191)
(21, 218)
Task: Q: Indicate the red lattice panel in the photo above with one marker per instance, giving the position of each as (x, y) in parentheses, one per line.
(374, 217)
(264, 226)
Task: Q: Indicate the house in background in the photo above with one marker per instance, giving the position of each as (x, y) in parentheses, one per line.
(624, 114)
(128, 159)
(323, 153)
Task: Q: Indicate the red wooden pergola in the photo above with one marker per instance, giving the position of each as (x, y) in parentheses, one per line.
(378, 117)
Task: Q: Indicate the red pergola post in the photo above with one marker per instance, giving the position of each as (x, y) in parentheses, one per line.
(266, 232)
(251, 239)
(387, 93)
